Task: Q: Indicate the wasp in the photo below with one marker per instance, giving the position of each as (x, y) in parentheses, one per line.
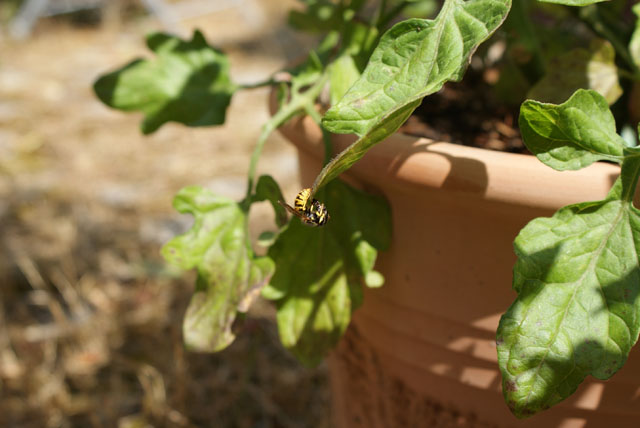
(313, 214)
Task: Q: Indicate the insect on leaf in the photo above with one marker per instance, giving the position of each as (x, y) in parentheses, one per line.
(320, 271)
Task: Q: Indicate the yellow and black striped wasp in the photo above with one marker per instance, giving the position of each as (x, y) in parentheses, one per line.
(313, 214)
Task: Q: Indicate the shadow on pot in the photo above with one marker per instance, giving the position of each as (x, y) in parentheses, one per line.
(465, 174)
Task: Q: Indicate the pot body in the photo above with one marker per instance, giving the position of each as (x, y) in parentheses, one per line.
(421, 351)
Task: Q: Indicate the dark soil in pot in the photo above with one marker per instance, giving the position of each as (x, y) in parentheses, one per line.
(468, 113)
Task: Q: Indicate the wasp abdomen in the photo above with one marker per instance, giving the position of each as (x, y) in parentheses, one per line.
(302, 197)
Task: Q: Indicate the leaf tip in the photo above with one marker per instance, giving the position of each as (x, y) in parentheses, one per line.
(374, 279)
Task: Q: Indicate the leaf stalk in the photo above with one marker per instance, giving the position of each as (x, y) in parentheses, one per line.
(298, 103)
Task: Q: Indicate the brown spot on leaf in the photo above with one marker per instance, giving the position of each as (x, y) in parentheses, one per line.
(510, 386)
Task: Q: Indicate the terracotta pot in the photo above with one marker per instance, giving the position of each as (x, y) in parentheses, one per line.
(421, 350)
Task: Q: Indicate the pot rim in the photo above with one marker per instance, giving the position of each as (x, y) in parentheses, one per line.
(404, 163)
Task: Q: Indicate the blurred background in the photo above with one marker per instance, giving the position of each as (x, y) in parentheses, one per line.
(90, 315)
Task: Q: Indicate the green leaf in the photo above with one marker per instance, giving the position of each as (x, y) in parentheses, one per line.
(359, 40)
(420, 8)
(268, 189)
(230, 276)
(357, 44)
(577, 311)
(320, 271)
(577, 277)
(342, 73)
(266, 239)
(580, 68)
(413, 59)
(320, 16)
(634, 43)
(571, 135)
(572, 2)
(311, 69)
(374, 279)
(188, 82)
(355, 151)
(629, 136)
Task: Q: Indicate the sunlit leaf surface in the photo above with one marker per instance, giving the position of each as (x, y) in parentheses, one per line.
(187, 82)
(577, 312)
(571, 135)
(320, 271)
(230, 276)
(578, 273)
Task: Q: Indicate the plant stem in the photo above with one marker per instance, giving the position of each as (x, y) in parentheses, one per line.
(628, 74)
(299, 102)
(269, 82)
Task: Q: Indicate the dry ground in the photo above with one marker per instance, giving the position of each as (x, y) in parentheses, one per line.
(90, 316)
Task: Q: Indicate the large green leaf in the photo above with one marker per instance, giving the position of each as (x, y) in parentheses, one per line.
(578, 273)
(355, 151)
(571, 135)
(413, 59)
(230, 276)
(594, 68)
(577, 311)
(188, 82)
(319, 273)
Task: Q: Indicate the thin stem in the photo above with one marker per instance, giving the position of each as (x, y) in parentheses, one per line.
(298, 103)
(267, 129)
(628, 74)
(269, 82)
